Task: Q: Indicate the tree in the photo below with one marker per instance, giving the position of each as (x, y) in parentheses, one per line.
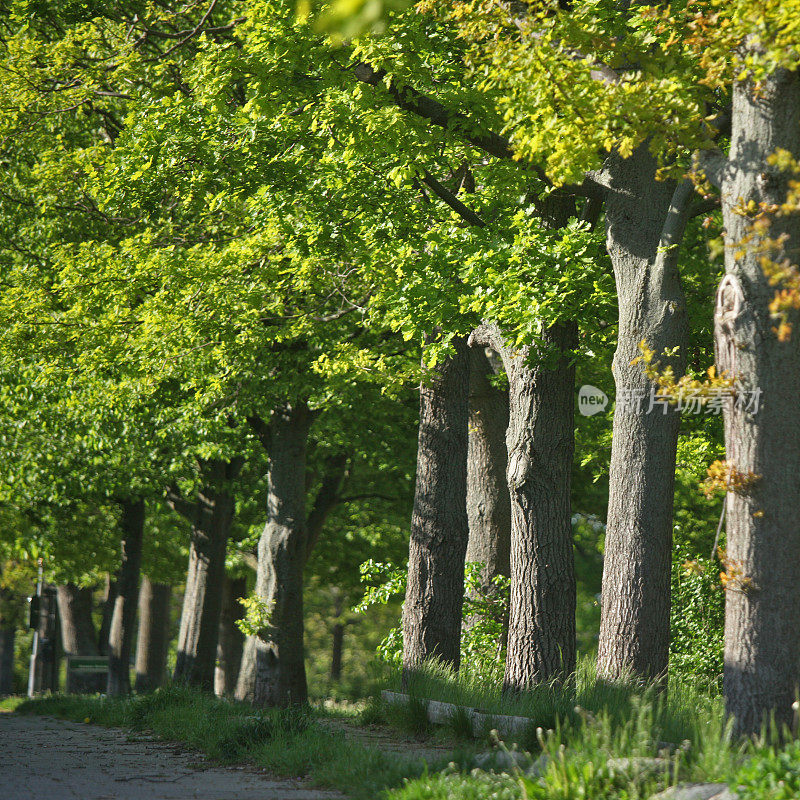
(210, 516)
(762, 237)
(153, 637)
(439, 527)
(488, 502)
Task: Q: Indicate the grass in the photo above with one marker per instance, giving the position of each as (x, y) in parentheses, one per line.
(10, 703)
(286, 743)
(679, 710)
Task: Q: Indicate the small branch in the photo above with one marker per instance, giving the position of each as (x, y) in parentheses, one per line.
(409, 99)
(705, 206)
(714, 164)
(327, 497)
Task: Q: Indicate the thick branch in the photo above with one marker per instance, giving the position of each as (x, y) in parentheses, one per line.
(445, 194)
(327, 497)
(714, 164)
(260, 428)
(178, 503)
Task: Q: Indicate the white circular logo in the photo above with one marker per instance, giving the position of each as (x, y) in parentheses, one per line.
(591, 400)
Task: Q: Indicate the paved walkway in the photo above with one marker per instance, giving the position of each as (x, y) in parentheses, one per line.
(48, 759)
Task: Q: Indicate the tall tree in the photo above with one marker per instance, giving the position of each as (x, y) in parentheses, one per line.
(488, 501)
(120, 636)
(210, 516)
(762, 441)
(152, 639)
(78, 635)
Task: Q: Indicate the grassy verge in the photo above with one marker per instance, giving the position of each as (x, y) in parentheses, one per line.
(600, 741)
(678, 711)
(286, 743)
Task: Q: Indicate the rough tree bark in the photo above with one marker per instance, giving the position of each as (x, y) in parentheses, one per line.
(762, 435)
(8, 632)
(246, 679)
(488, 499)
(645, 219)
(109, 598)
(280, 675)
(540, 443)
(337, 642)
(439, 526)
(7, 636)
(211, 516)
(154, 634)
(120, 634)
(231, 639)
(78, 635)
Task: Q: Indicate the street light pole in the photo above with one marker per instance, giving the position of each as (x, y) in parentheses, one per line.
(35, 648)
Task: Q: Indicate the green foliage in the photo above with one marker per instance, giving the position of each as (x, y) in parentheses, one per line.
(257, 614)
(697, 620)
(772, 773)
(457, 786)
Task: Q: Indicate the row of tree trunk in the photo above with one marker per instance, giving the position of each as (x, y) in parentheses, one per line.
(645, 221)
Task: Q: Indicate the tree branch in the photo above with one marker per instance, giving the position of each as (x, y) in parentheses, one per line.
(327, 497)
(178, 503)
(714, 164)
(443, 193)
(260, 428)
(409, 99)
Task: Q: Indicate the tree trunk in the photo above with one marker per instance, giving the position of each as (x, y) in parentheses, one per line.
(120, 636)
(540, 443)
(762, 645)
(338, 634)
(280, 675)
(78, 635)
(154, 635)
(644, 225)
(488, 499)
(439, 526)
(246, 680)
(231, 639)
(202, 601)
(336, 651)
(7, 636)
(108, 612)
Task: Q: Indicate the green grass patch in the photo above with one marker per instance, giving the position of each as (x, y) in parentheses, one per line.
(10, 703)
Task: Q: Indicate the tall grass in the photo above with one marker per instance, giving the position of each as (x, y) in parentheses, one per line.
(680, 710)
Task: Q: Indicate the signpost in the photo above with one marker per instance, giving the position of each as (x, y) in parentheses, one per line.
(82, 672)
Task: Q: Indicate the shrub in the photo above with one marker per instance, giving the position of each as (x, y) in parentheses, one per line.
(698, 620)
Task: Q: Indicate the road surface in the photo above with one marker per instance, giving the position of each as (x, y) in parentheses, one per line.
(49, 759)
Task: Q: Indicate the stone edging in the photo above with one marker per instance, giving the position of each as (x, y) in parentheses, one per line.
(441, 713)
